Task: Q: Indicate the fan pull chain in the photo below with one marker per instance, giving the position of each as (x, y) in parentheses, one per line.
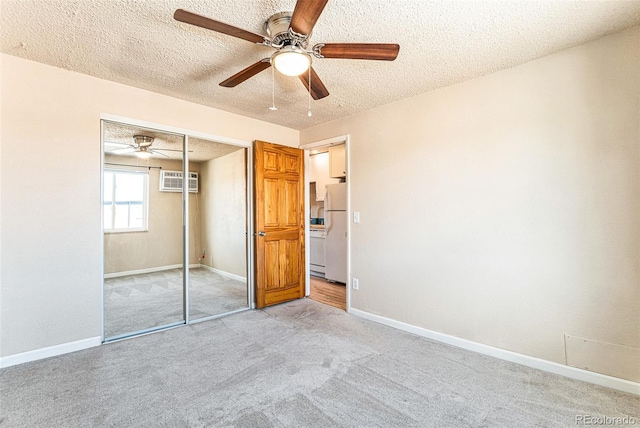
(309, 113)
(273, 90)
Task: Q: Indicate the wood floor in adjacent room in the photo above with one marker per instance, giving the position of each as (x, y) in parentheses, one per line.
(328, 293)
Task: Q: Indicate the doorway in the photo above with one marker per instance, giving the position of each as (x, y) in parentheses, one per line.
(175, 251)
(328, 228)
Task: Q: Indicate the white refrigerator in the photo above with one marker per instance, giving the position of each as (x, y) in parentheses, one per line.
(335, 221)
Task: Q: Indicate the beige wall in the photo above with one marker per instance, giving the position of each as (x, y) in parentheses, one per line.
(51, 233)
(223, 209)
(161, 244)
(505, 210)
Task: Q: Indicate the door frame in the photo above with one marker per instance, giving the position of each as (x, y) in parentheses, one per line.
(307, 148)
(186, 133)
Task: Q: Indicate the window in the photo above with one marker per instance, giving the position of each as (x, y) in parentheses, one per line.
(125, 201)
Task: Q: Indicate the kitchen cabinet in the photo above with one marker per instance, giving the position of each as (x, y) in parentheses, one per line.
(321, 165)
(337, 161)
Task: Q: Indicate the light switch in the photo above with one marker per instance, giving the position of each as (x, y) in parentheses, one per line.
(356, 216)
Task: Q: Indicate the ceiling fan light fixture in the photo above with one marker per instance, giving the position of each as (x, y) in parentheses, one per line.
(143, 153)
(143, 140)
(289, 34)
(291, 61)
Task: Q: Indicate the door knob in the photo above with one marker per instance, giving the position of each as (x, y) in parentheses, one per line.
(262, 233)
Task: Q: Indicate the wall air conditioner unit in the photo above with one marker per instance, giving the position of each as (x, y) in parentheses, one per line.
(171, 181)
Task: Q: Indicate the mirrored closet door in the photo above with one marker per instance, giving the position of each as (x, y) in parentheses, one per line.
(147, 245)
(218, 224)
(143, 233)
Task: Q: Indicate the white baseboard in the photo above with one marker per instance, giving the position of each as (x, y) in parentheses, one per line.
(514, 357)
(51, 351)
(225, 274)
(147, 270)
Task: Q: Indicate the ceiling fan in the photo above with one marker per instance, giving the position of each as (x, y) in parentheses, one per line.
(289, 33)
(141, 147)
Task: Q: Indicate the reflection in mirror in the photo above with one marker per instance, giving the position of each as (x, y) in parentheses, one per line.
(218, 229)
(143, 236)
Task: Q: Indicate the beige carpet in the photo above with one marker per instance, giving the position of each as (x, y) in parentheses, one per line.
(299, 364)
(144, 301)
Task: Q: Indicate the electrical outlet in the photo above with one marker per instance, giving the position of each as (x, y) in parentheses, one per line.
(355, 283)
(356, 216)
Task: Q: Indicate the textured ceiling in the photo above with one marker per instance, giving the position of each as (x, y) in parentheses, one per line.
(441, 42)
(170, 145)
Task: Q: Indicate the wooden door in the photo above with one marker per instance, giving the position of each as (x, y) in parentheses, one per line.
(279, 204)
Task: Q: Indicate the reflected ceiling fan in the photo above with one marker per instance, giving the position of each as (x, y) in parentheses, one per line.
(289, 33)
(141, 147)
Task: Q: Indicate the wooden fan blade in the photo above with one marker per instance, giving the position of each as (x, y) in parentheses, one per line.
(122, 151)
(171, 150)
(378, 51)
(305, 15)
(318, 90)
(155, 152)
(248, 72)
(204, 22)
